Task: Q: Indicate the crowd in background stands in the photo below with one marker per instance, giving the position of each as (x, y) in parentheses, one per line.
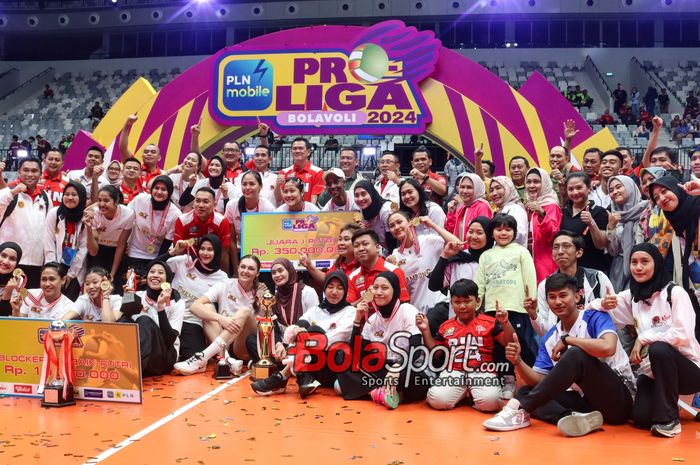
(529, 283)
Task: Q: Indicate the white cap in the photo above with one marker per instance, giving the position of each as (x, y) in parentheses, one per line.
(337, 171)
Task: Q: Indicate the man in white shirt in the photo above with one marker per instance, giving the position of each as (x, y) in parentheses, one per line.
(387, 184)
(261, 162)
(90, 175)
(610, 165)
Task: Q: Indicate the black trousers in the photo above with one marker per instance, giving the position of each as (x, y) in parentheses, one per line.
(192, 340)
(526, 336)
(657, 399)
(603, 390)
(157, 358)
(437, 315)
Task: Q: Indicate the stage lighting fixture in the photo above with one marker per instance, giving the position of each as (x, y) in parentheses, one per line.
(114, 2)
(507, 44)
(369, 151)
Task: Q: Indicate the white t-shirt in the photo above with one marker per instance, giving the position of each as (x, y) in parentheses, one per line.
(233, 215)
(79, 176)
(390, 191)
(436, 214)
(108, 231)
(267, 192)
(179, 186)
(192, 284)
(146, 229)
(378, 329)
(30, 309)
(379, 223)
(338, 325)
(175, 313)
(349, 205)
(417, 266)
(233, 193)
(88, 311)
(229, 297)
(308, 207)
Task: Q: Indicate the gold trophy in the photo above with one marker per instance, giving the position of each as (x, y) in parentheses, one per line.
(265, 367)
(131, 303)
(58, 370)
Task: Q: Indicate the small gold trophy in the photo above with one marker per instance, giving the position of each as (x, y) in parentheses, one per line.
(58, 371)
(264, 367)
(131, 302)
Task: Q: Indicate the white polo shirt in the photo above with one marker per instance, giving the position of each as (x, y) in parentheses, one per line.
(55, 311)
(147, 230)
(192, 284)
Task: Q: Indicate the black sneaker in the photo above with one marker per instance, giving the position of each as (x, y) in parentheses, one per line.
(667, 430)
(307, 384)
(274, 384)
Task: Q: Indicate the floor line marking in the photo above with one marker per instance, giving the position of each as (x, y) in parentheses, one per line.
(166, 419)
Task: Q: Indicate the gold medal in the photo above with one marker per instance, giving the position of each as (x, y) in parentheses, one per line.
(357, 217)
(368, 296)
(23, 293)
(20, 204)
(150, 248)
(394, 206)
(17, 273)
(415, 222)
(191, 241)
(104, 285)
(165, 287)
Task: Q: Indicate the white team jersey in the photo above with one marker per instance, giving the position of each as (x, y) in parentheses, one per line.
(338, 325)
(233, 193)
(436, 214)
(233, 215)
(308, 207)
(108, 231)
(147, 233)
(379, 329)
(192, 284)
(267, 192)
(230, 296)
(179, 186)
(417, 266)
(175, 313)
(88, 311)
(54, 311)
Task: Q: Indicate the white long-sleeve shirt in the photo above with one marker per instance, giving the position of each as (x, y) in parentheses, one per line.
(25, 225)
(54, 235)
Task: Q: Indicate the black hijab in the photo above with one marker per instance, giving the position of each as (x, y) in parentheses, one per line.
(215, 182)
(473, 255)
(73, 215)
(386, 310)
(168, 185)
(4, 278)
(684, 220)
(372, 211)
(660, 278)
(334, 308)
(154, 293)
(215, 264)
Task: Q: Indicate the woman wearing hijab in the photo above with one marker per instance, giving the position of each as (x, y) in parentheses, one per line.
(65, 238)
(113, 174)
(666, 350)
(505, 197)
(10, 255)
(627, 207)
(375, 210)
(154, 224)
(471, 204)
(292, 299)
(545, 219)
(223, 189)
(454, 264)
(159, 321)
(329, 322)
(388, 316)
(683, 212)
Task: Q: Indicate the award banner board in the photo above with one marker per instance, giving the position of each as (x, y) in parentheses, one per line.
(287, 235)
(107, 359)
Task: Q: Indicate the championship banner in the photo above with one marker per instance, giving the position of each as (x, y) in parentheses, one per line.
(287, 235)
(107, 359)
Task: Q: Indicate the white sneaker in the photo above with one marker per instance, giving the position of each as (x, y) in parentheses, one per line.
(512, 417)
(508, 389)
(236, 366)
(194, 364)
(579, 424)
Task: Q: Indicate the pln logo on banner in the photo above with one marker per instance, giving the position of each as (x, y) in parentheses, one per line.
(368, 86)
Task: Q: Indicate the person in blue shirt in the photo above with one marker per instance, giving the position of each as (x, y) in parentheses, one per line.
(581, 376)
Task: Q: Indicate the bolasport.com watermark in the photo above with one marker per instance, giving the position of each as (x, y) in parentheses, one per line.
(462, 359)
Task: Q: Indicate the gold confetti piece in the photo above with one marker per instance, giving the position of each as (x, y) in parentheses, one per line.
(394, 462)
(678, 459)
(215, 447)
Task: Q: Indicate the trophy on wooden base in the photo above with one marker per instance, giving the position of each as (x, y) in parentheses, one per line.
(265, 367)
(131, 303)
(58, 371)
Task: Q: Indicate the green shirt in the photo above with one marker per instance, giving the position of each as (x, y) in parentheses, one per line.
(503, 274)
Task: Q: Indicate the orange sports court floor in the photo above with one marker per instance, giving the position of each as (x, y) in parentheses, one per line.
(198, 420)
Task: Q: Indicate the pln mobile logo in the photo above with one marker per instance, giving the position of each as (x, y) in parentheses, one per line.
(247, 85)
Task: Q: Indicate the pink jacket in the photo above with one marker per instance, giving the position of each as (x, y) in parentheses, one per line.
(466, 215)
(543, 231)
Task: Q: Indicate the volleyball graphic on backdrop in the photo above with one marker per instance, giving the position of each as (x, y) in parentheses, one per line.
(369, 63)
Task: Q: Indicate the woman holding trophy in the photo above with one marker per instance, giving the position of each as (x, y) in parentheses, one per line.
(234, 321)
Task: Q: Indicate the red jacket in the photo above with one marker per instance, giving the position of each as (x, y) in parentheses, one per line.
(543, 231)
(467, 214)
